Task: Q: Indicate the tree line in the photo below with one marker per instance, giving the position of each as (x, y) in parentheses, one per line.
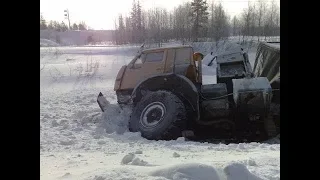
(196, 20)
(61, 27)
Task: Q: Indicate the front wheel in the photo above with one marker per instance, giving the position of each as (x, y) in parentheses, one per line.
(159, 115)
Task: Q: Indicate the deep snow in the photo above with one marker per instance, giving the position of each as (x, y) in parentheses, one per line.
(78, 141)
(48, 43)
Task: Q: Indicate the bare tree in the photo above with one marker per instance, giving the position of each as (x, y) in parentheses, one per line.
(271, 20)
(212, 19)
(171, 25)
(158, 28)
(116, 33)
(143, 30)
(252, 10)
(219, 23)
(260, 17)
(247, 21)
(276, 19)
(182, 22)
(236, 27)
(121, 30)
(128, 29)
(138, 22)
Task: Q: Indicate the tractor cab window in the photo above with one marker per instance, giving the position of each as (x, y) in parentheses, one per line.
(183, 56)
(154, 56)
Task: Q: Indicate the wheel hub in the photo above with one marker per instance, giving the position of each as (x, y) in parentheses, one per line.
(152, 114)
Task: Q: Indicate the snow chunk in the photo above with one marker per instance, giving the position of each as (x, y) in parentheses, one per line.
(54, 123)
(138, 152)
(66, 175)
(190, 171)
(115, 119)
(133, 136)
(67, 142)
(127, 158)
(99, 178)
(138, 162)
(236, 171)
(176, 154)
(241, 146)
(101, 142)
(251, 162)
(181, 139)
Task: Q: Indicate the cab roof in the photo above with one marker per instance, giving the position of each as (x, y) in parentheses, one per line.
(165, 48)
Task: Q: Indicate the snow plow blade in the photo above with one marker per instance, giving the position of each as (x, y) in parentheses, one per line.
(103, 102)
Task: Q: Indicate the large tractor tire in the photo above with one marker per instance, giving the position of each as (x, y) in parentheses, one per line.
(159, 115)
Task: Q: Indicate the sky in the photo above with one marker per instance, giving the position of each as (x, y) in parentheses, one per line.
(101, 14)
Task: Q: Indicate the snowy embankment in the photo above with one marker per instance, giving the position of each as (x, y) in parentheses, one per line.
(48, 43)
(78, 141)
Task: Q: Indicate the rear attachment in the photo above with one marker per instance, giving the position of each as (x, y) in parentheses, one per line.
(103, 102)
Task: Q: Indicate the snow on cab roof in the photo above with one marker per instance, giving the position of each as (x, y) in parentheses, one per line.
(168, 47)
(273, 44)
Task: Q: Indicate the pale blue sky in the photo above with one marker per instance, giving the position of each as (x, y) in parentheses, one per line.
(100, 14)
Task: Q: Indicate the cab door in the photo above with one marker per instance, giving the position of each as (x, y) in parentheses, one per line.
(149, 64)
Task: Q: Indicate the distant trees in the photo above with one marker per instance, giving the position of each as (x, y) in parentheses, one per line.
(260, 19)
(199, 17)
(196, 20)
(236, 26)
(57, 26)
(75, 26)
(82, 26)
(182, 22)
(132, 28)
(261, 12)
(219, 23)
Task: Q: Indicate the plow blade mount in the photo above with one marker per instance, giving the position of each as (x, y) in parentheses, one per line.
(103, 102)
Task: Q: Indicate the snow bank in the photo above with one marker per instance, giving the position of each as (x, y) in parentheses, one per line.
(190, 171)
(199, 171)
(76, 37)
(238, 171)
(48, 43)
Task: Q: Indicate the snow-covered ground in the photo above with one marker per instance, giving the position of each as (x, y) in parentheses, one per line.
(78, 141)
(47, 43)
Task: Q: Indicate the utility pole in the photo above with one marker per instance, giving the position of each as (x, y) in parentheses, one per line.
(66, 15)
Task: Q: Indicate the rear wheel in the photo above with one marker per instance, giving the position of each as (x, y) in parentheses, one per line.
(159, 115)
